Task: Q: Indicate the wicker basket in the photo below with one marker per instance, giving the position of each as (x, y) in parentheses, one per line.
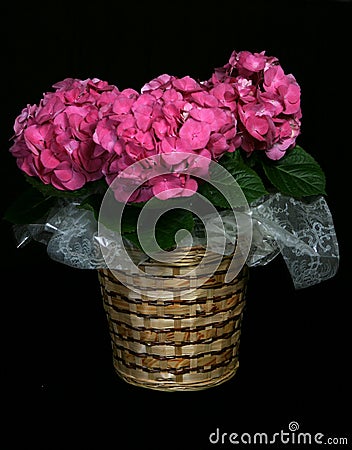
(190, 342)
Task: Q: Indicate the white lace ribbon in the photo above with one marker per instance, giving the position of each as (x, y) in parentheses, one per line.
(303, 232)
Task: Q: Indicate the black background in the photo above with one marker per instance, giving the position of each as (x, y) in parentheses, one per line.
(59, 384)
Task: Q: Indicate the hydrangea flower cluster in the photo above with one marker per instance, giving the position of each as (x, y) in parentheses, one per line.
(54, 140)
(176, 118)
(266, 101)
(88, 130)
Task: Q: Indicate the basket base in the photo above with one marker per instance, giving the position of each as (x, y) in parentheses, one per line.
(159, 384)
(172, 386)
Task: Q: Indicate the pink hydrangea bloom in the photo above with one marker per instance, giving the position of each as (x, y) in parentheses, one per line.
(161, 140)
(266, 102)
(174, 118)
(54, 140)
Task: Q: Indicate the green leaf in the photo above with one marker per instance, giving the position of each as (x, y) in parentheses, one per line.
(169, 224)
(129, 219)
(132, 237)
(115, 215)
(247, 179)
(123, 218)
(165, 230)
(297, 174)
(213, 195)
(29, 207)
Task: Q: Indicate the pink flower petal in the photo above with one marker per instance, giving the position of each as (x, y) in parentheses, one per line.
(48, 159)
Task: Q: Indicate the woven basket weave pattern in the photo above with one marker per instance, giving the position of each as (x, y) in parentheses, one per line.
(188, 342)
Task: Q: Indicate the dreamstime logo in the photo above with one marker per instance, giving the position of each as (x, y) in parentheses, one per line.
(137, 175)
(293, 426)
(292, 435)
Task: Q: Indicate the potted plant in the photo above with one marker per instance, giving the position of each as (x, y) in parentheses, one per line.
(172, 194)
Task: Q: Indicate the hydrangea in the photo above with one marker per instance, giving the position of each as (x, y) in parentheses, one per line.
(176, 118)
(54, 140)
(87, 130)
(265, 99)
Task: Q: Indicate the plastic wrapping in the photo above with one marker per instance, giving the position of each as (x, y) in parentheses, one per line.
(303, 232)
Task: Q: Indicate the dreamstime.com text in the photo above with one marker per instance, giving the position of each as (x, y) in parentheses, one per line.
(290, 436)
